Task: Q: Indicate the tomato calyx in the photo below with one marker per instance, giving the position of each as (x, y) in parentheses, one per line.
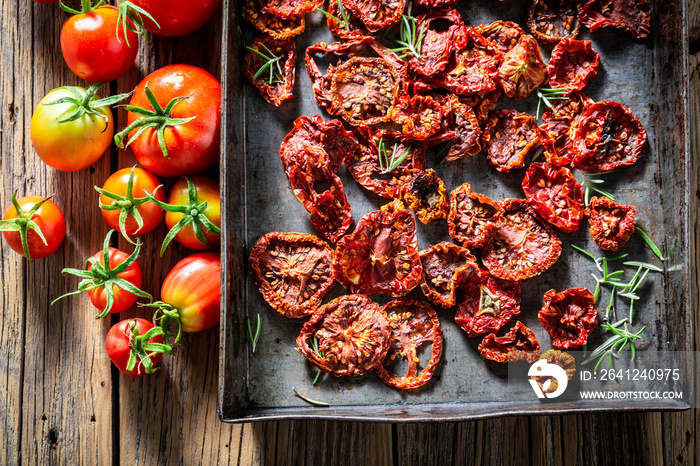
(99, 275)
(193, 214)
(158, 118)
(166, 314)
(86, 7)
(130, 17)
(85, 104)
(141, 350)
(23, 223)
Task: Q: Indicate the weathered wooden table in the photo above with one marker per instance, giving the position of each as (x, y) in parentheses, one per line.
(61, 401)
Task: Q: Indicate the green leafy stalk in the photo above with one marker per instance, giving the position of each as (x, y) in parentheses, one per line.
(591, 183)
(411, 36)
(613, 346)
(142, 350)
(654, 248)
(254, 336)
(344, 20)
(389, 163)
(309, 400)
(547, 95)
(271, 64)
(130, 19)
(314, 346)
(23, 223)
(86, 103)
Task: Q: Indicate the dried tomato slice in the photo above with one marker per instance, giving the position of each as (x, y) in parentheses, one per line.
(352, 333)
(557, 125)
(471, 69)
(482, 105)
(472, 217)
(444, 33)
(380, 256)
(523, 245)
(606, 137)
(522, 69)
(519, 344)
(420, 118)
(274, 26)
(467, 133)
(555, 194)
(294, 271)
(290, 8)
(554, 20)
(633, 16)
(377, 14)
(509, 136)
(485, 303)
(503, 34)
(442, 263)
(611, 224)
(569, 317)
(426, 195)
(364, 165)
(413, 323)
(352, 29)
(274, 83)
(437, 3)
(573, 64)
(321, 191)
(561, 359)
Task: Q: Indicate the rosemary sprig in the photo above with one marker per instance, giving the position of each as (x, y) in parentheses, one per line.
(590, 183)
(654, 248)
(271, 65)
(389, 163)
(254, 336)
(548, 94)
(309, 400)
(343, 23)
(613, 346)
(411, 36)
(314, 346)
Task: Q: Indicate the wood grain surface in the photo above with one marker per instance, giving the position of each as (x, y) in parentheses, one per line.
(61, 402)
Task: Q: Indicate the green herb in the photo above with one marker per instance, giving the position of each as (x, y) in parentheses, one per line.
(411, 37)
(546, 95)
(271, 65)
(613, 346)
(592, 184)
(655, 249)
(309, 400)
(389, 163)
(254, 337)
(314, 346)
(343, 23)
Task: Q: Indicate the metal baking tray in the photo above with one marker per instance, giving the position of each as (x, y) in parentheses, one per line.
(649, 76)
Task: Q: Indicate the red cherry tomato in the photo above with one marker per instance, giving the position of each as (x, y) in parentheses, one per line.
(178, 17)
(94, 48)
(48, 217)
(123, 299)
(119, 350)
(207, 191)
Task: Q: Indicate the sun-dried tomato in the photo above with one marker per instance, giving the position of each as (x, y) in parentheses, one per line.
(294, 271)
(633, 16)
(290, 8)
(380, 256)
(557, 125)
(442, 263)
(437, 3)
(274, 26)
(353, 336)
(523, 245)
(364, 164)
(420, 118)
(377, 14)
(485, 303)
(467, 132)
(554, 20)
(394, 206)
(519, 344)
(471, 69)
(573, 64)
(482, 105)
(503, 34)
(426, 195)
(606, 137)
(555, 194)
(569, 317)
(522, 69)
(561, 359)
(444, 33)
(472, 217)
(352, 29)
(275, 87)
(321, 191)
(509, 136)
(413, 323)
(611, 224)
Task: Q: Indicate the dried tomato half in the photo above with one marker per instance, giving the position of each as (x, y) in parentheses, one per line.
(503, 34)
(555, 194)
(290, 8)
(377, 14)
(633, 16)
(352, 333)
(444, 32)
(573, 64)
(561, 359)
(472, 217)
(611, 224)
(467, 132)
(437, 3)
(485, 303)
(274, 26)
(606, 137)
(293, 271)
(413, 323)
(482, 105)
(420, 118)
(426, 195)
(522, 69)
(557, 125)
(352, 28)
(274, 81)
(380, 256)
(569, 317)
(523, 245)
(519, 344)
(441, 264)
(554, 20)
(509, 136)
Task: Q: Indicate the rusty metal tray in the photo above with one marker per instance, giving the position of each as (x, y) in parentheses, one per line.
(649, 76)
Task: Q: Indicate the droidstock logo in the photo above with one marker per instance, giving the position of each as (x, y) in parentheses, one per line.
(542, 369)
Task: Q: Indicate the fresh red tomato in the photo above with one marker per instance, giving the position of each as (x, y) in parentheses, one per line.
(127, 336)
(46, 217)
(123, 299)
(189, 126)
(178, 17)
(125, 205)
(191, 294)
(94, 48)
